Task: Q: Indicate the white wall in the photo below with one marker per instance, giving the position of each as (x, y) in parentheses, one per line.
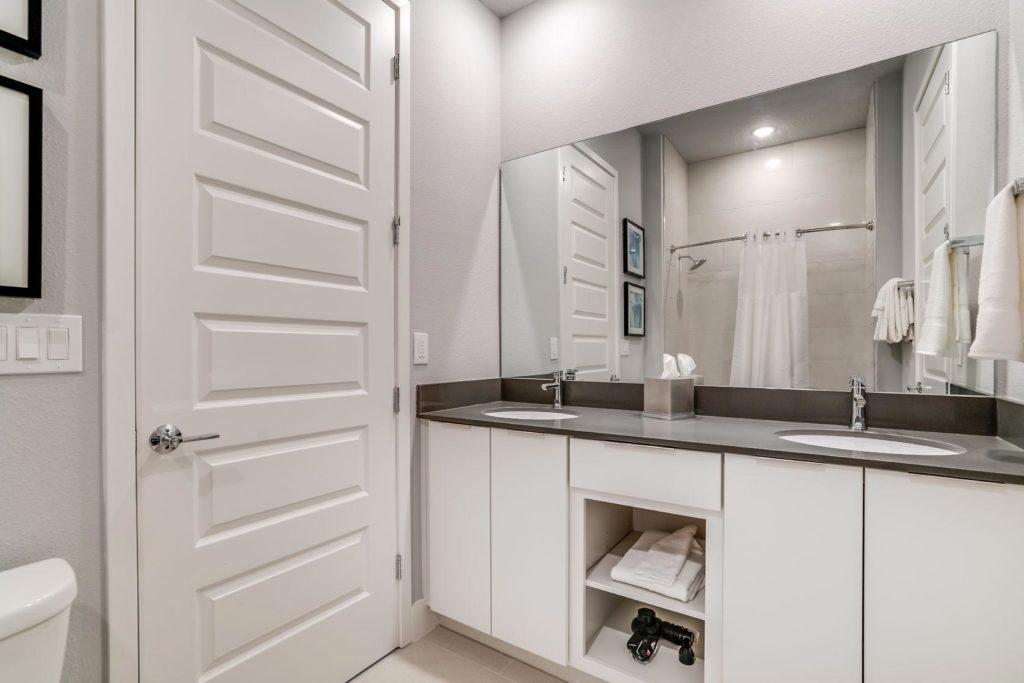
(456, 152)
(531, 282)
(1010, 376)
(813, 183)
(50, 498)
(676, 209)
(574, 69)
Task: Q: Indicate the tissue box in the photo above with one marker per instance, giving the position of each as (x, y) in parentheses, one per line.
(670, 399)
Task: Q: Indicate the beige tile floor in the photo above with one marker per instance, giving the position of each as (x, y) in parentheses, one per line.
(445, 656)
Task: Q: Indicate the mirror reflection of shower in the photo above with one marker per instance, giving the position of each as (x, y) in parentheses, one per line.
(695, 263)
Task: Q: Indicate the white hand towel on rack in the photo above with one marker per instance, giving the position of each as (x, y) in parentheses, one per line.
(961, 297)
(934, 339)
(666, 557)
(999, 332)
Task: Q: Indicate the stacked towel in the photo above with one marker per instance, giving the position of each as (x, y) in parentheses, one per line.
(999, 333)
(666, 557)
(688, 582)
(894, 311)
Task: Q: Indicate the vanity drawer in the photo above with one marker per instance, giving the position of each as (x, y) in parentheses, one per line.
(669, 475)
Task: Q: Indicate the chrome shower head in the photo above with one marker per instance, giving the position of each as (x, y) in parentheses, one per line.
(695, 263)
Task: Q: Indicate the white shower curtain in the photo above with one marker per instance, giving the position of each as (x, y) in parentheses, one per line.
(770, 347)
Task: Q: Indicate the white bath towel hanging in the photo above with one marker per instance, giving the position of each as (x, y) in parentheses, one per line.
(961, 296)
(999, 333)
(892, 313)
(935, 337)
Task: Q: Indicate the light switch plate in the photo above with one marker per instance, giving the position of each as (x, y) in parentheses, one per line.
(420, 348)
(38, 326)
(624, 347)
(553, 346)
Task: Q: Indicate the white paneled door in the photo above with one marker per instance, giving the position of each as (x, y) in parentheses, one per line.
(932, 170)
(587, 208)
(266, 313)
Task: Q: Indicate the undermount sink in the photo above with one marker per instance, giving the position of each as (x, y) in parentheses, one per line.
(869, 442)
(530, 414)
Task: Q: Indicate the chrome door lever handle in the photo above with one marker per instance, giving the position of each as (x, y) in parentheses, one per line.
(168, 437)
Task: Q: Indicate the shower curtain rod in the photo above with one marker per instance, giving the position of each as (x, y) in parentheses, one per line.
(866, 225)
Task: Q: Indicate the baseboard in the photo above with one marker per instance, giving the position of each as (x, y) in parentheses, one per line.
(423, 620)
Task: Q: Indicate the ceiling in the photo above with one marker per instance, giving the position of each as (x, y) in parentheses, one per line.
(503, 8)
(820, 107)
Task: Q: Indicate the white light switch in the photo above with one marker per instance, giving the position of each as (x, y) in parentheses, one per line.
(57, 342)
(420, 350)
(39, 343)
(553, 345)
(623, 347)
(28, 343)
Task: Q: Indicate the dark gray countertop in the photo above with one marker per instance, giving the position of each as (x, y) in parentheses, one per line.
(986, 458)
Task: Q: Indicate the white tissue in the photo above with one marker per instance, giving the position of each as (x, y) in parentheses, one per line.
(686, 364)
(669, 370)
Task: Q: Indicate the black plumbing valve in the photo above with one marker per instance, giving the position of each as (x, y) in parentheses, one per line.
(648, 630)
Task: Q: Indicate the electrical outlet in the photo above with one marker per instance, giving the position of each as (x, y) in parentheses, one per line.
(420, 348)
(553, 345)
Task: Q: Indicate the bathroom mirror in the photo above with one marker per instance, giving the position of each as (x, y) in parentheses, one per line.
(757, 236)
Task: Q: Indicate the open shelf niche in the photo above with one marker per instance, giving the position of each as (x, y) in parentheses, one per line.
(604, 527)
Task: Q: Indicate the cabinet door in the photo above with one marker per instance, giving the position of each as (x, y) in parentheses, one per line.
(943, 586)
(459, 523)
(792, 566)
(530, 541)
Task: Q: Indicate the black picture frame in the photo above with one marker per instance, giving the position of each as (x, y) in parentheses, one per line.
(33, 289)
(628, 228)
(33, 45)
(627, 329)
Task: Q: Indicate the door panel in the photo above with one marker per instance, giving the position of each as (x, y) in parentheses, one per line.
(588, 206)
(932, 159)
(266, 190)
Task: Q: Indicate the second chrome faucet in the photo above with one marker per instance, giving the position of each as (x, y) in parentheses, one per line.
(857, 387)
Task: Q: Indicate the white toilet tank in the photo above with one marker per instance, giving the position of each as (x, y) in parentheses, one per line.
(35, 601)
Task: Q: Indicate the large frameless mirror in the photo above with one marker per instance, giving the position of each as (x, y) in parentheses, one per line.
(784, 240)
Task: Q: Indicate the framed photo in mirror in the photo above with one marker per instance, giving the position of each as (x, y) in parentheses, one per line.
(21, 197)
(635, 309)
(21, 27)
(632, 249)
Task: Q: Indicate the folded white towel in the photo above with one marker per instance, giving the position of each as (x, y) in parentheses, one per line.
(934, 338)
(687, 585)
(666, 557)
(999, 293)
(686, 364)
(669, 369)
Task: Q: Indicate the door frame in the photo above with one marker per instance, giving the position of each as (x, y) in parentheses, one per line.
(118, 341)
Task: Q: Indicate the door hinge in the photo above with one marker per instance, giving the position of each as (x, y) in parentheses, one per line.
(395, 69)
(565, 274)
(945, 85)
(398, 567)
(396, 228)
(396, 400)
(563, 174)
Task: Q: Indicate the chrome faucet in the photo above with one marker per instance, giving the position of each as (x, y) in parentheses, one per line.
(857, 386)
(557, 386)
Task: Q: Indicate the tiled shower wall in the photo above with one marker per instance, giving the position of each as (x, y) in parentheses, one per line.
(813, 183)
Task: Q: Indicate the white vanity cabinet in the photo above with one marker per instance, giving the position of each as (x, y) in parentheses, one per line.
(498, 534)
(943, 586)
(530, 541)
(792, 585)
(459, 523)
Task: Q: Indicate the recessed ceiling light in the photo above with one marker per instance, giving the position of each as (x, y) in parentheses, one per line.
(763, 131)
(773, 163)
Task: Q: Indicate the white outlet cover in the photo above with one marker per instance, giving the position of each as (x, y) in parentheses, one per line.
(420, 348)
(624, 347)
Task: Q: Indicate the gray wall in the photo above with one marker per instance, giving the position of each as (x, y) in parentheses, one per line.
(456, 152)
(50, 497)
